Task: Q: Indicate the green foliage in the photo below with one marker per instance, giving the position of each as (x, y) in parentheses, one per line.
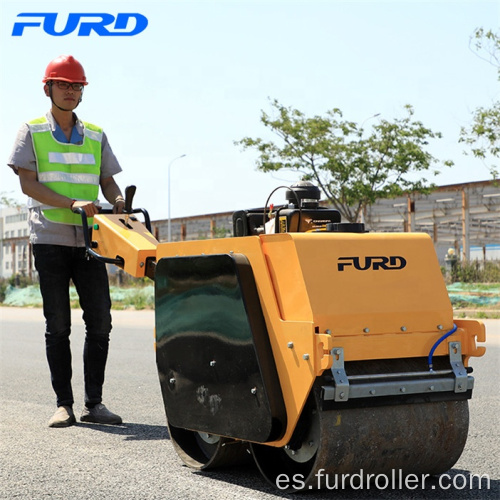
(137, 299)
(20, 280)
(3, 288)
(483, 135)
(481, 315)
(476, 272)
(352, 170)
(121, 279)
(7, 201)
(221, 232)
(217, 232)
(486, 45)
(17, 281)
(126, 291)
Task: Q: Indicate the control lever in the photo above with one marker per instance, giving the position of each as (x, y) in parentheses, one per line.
(129, 196)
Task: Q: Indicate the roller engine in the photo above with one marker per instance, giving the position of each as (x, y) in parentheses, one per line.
(316, 346)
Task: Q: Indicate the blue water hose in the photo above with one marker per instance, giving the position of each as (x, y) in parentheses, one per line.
(434, 347)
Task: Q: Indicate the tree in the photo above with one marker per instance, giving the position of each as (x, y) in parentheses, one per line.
(483, 136)
(7, 201)
(486, 44)
(352, 170)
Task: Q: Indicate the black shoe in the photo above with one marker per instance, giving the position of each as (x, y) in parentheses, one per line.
(99, 414)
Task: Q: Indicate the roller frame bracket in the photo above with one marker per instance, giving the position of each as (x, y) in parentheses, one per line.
(367, 386)
(459, 370)
(341, 382)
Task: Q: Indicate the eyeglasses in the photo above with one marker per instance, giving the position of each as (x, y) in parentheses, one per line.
(66, 85)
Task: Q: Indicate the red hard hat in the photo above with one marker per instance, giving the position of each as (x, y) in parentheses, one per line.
(65, 69)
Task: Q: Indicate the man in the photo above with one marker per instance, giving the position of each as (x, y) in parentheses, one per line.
(61, 162)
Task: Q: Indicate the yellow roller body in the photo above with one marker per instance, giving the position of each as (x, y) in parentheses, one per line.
(375, 296)
(351, 321)
(121, 235)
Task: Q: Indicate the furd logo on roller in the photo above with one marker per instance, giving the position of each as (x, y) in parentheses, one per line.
(375, 263)
(83, 24)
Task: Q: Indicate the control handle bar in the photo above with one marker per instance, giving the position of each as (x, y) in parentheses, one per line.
(129, 195)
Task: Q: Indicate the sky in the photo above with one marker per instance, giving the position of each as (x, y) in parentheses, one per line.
(197, 78)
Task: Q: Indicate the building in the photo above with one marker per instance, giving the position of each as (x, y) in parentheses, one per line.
(197, 227)
(15, 252)
(465, 217)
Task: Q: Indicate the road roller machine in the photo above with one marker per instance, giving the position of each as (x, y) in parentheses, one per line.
(312, 345)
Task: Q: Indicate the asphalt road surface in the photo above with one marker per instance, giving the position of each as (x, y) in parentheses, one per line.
(136, 460)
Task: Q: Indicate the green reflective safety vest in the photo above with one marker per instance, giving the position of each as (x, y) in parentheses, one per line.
(72, 170)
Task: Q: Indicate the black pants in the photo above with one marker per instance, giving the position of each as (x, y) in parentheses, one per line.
(56, 265)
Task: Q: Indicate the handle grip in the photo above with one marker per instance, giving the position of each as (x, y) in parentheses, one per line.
(118, 261)
(129, 196)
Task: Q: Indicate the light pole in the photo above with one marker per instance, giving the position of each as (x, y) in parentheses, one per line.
(169, 165)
